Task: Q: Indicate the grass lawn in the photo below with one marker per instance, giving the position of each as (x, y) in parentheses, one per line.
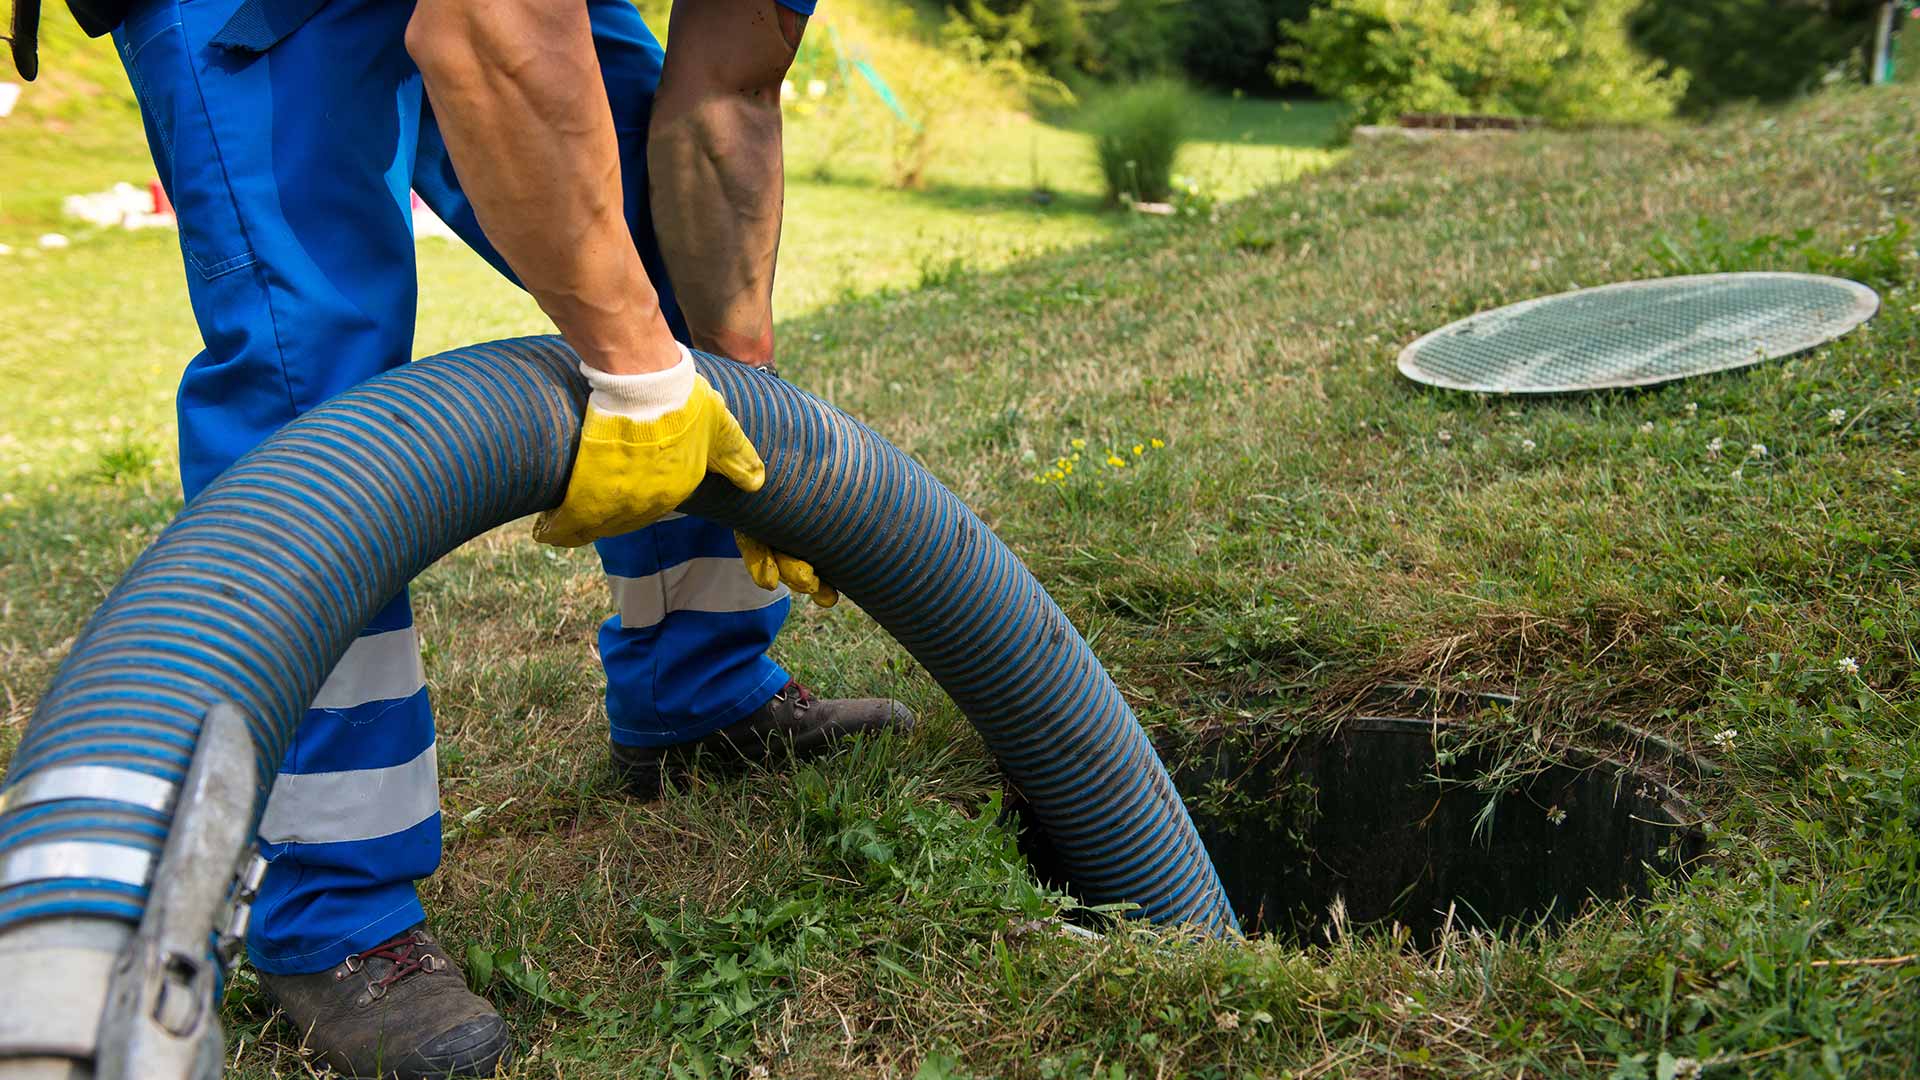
(849, 233)
(1717, 556)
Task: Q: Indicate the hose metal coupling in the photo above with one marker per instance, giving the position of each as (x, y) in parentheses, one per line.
(142, 1006)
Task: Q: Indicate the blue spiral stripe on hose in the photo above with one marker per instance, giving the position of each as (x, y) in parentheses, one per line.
(264, 581)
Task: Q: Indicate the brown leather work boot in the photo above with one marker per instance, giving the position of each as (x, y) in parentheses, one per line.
(400, 1009)
(793, 724)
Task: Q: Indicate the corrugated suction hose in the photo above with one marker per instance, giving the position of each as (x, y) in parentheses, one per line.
(253, 594)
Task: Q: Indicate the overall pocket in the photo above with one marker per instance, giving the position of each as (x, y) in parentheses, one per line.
(166, 78)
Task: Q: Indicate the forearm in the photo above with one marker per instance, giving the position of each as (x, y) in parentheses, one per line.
(516, 89)
(716, 193)
(714, 165)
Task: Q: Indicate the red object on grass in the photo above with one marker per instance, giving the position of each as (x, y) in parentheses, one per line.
(161, 205)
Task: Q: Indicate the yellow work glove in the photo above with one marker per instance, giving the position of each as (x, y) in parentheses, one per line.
(769, 568)
(646, 443)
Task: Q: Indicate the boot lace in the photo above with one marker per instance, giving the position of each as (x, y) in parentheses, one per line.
(801, 697)
(406, 954)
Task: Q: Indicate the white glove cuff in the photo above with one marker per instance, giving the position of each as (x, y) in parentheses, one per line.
(647, 396)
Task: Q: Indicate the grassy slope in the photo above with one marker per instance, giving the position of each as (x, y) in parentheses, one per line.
(1307, 531)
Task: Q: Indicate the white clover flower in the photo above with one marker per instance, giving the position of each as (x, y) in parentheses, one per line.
(1557, 816)
(1693, 408)
(1836, 417)
(1527, 445)
(1724, 738)
(1847, 665)
(1757, 450)
(1444, 436)
(1646, 428)
(1713, 447)
(1737, 474)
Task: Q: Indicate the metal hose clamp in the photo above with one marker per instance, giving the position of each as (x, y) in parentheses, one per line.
(161, 1020)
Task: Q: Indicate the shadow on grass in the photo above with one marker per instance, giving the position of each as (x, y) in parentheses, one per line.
(1305, 125)
(967, 197)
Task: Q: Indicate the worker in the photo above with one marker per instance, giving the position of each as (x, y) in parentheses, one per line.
(636, 193)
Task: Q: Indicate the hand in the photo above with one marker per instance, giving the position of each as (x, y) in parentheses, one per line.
(769, 568)
(646, 443)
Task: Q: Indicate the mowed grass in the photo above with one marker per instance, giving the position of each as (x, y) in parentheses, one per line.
(1313, 527)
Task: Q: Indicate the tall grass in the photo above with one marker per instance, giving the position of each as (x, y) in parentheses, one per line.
(1137, 135)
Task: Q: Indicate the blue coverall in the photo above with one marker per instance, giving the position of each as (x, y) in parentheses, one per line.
(287, 134)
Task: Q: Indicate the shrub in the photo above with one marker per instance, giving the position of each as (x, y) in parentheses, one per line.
(1230, 43)
(1137, 134)
(1764, 50)
(1564, 61)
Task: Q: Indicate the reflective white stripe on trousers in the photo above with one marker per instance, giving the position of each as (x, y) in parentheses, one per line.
(703, 584)
(377, 667)
(359, 804)
(337, 807)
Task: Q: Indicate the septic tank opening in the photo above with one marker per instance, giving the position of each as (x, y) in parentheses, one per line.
(1381, 819)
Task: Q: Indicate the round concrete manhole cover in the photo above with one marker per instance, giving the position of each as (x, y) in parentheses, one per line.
(1638, 333)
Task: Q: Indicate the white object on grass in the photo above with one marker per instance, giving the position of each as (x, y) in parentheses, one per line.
(122, 205)
(54, 240)
(9, 97)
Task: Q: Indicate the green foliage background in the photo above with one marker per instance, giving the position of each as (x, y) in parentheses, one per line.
(1730, 50)
(1230, 44)
(1766, 50)
(1564, 61)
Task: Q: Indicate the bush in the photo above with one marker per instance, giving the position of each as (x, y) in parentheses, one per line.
(1563, 61)
(1137, 134)
(1764, 50)
(1230, 43)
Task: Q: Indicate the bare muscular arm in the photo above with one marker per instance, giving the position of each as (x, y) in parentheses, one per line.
(713, 160)
(517, 91)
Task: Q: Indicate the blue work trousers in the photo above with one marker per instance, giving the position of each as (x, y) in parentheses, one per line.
(288, 139)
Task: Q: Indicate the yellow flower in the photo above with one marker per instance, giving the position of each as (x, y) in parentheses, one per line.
(1116, 461)
(1079, 444)
(1138, 449)
(1060, 463)
(1069, 468)
(1156, 444)
(1058, 475)
(1075, 457)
